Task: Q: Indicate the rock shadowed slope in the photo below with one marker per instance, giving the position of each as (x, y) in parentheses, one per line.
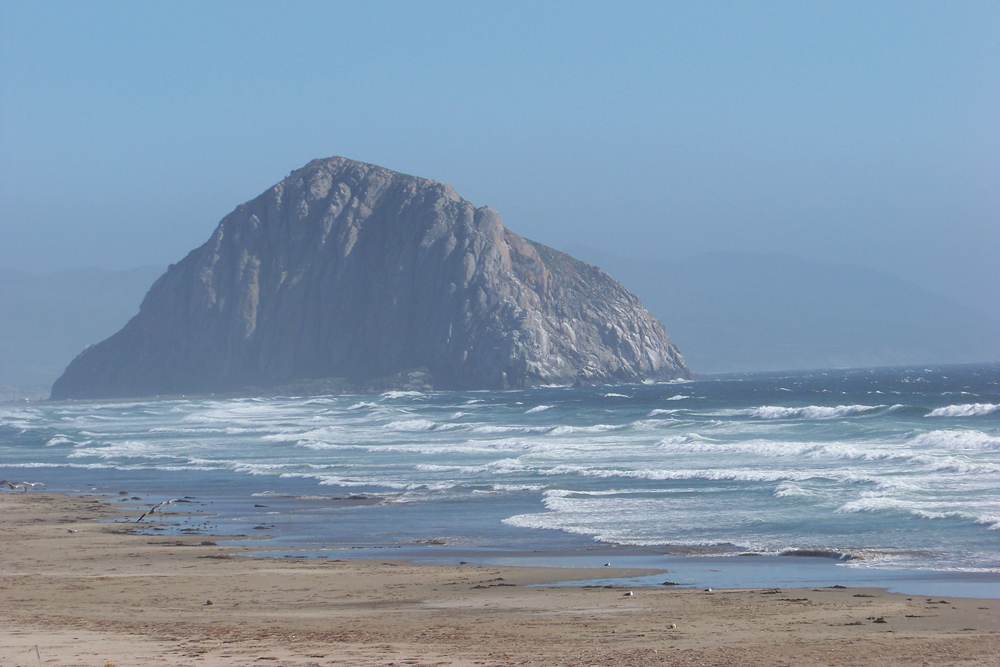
(351, 270)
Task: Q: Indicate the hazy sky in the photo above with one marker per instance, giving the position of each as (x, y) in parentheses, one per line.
(844, 132)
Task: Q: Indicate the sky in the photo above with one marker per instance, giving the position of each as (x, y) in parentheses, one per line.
(861, 133)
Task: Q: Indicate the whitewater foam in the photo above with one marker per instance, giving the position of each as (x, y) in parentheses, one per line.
(811, 411)
(965, 410)
(956, 439)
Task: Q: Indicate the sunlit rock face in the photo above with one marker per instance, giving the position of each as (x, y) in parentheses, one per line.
(349, 270)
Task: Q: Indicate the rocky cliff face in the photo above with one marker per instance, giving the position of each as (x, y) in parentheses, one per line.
(351, 270)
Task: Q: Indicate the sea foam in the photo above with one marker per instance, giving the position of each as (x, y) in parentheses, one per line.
(965, 410)
(811, 411)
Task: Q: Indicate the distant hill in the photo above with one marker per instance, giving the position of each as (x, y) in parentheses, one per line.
(46, 320)
(752, 312)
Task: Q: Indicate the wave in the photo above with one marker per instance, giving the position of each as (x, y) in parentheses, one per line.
(614, 395)
(965, 410)
(411, 425)
(812, 411)
(687, 438)
(677, 397)
(991, 521)
(488, 429)
(956, 439)
(514, 488)
(538, 408)
(918, 510)
(125, 449)
(565, 429)
(693, 443)
(653, 474)
(390, 395)
(257, 468)
(792, 490)
(956, 464)
(501, 467)
(875, 504)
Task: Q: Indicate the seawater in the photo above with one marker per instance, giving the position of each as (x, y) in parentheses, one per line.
(871, 468)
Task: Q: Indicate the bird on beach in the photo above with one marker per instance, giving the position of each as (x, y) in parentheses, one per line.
(156, 507)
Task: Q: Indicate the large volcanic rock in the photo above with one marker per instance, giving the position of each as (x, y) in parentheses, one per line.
(351, 270)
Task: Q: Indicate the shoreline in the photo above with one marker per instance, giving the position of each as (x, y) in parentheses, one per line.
(84, 592)
(690, 567)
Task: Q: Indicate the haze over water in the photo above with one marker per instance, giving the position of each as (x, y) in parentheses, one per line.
(886, 468)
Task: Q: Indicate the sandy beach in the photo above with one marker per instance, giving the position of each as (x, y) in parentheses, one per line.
(80, 592)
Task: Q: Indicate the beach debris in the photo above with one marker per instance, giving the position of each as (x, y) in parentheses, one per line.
(670, 583)
(672, 626)
(208, 603)
(156, 507)
(880, 619)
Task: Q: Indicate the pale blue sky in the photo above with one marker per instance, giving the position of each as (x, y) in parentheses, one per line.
(841, 132)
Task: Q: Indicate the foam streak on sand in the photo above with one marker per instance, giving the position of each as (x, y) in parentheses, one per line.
(124, 598)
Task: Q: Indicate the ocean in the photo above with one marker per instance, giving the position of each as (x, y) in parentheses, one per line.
(878, 476)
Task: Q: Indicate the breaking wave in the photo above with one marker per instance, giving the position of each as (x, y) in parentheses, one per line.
(957, 439)
(965, 410)
(812, 411)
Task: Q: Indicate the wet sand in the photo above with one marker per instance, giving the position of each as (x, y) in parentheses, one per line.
(89, 593)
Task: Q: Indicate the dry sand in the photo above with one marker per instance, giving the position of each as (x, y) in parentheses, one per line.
(85, 593)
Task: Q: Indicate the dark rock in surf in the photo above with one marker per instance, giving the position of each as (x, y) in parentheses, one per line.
(352, 271)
